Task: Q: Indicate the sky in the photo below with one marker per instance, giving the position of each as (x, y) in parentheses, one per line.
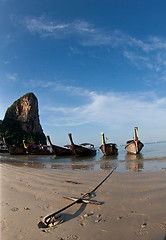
(94, 65)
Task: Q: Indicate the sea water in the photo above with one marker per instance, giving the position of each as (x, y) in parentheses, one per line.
(152, 158)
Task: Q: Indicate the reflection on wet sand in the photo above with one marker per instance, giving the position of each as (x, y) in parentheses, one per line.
(81, 167)
(74, 163)
(37, 161)
(86, 163)
(108, 162)
(25, 164)
(60, 163)
(134, 162)
(108, 158)
(152, 158)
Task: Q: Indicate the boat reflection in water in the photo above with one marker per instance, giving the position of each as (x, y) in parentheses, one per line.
(134, 162)
(26, 163)
(74, 163)
(109, 162)
(86, 163)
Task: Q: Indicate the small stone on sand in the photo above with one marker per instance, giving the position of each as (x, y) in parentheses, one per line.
(144, 225)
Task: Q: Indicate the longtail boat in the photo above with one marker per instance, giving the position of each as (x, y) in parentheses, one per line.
(108, 148)
(59, 151)
(17, 149)
(29, 149)
(81, 150)
(134, 146)
(3, 147)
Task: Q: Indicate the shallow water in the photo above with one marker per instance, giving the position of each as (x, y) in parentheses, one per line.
(152, 158)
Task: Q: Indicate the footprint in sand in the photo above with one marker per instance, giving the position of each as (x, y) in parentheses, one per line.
(3, 225)
(72, 237)
(4, 203)
(14, 209)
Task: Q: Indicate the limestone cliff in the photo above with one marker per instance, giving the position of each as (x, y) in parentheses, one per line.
(21, 121)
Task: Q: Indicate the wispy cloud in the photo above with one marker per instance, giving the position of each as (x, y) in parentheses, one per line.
(43, 27)
(12, 76)
(94, 35)
(57, 86)
(46, 28)
(87, 33)
(143, 53)
(111, 110)
(138, 60)
(5, 62)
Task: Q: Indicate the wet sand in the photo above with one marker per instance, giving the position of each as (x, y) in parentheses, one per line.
(133, 204)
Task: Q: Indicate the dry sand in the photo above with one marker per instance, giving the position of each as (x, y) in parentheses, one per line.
(134, 204)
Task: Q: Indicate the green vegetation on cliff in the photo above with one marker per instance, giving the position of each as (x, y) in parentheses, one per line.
(14, 134)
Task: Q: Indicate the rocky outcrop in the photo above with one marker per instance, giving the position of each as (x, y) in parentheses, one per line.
(21, 121)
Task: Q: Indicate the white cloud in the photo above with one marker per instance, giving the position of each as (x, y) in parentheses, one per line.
(87, 33)
(57, 86)
(163, 78)
(93, 35)
(138, 60)
(147, 53)
(113, 110)
(46, 28)
(12, 76)
(35, 83)
(41, 26)
(6, 62)
(109, 109)
(75, 50)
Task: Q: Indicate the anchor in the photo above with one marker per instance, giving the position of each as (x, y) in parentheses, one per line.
(52, 218)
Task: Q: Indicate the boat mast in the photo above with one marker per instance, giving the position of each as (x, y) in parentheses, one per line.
(72, 144)
(103, 142)
(136, 138)
(136, 133)
(71, 140)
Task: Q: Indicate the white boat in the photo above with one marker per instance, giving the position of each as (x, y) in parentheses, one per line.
(134, 146)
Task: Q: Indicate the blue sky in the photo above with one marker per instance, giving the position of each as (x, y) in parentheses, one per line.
(95, 66)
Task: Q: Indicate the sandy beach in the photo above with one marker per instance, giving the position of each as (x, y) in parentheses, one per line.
(133, 204)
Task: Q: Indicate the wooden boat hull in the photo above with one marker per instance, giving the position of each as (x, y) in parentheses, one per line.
(134, 147)
(16, 150)
(80, 151)
(40, 152)
(61, 151)
(20, 150)
(109, 149)
(4, 150)
(3, 147)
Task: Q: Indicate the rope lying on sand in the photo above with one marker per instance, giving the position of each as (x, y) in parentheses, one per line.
(47, 220)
